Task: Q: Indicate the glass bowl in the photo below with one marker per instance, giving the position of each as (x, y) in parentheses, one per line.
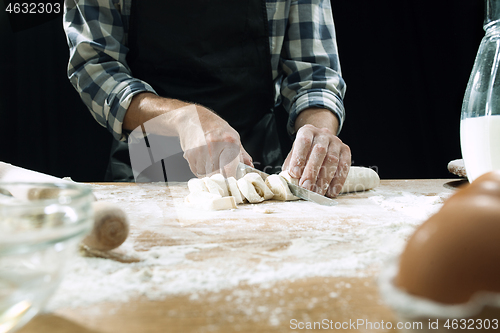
(41, 225)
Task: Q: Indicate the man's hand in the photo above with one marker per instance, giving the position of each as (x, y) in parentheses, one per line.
(318, 157)
(209, 143)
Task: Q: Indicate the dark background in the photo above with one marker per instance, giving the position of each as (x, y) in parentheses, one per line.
(406, 64)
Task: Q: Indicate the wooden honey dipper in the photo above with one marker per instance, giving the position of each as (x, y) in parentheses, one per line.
(111, 227)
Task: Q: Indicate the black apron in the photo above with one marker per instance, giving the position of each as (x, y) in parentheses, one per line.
(213, 53)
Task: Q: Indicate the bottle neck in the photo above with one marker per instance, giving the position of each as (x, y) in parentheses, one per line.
(491, 14)
(493, 28)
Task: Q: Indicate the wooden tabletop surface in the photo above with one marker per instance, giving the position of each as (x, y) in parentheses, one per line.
(303, 262)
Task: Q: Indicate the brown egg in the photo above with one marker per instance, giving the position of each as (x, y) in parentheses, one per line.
(456, 252)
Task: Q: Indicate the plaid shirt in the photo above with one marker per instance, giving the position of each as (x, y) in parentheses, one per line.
(304, 57)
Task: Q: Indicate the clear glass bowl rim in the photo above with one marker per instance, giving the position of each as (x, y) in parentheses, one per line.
(33, 240)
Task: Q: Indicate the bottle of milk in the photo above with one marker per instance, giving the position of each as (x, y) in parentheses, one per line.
(480, 122)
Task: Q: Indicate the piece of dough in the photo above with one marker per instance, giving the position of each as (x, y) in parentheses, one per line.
(288, 178)
(248, 191)
(221, 181)
(213, 187)
(223, 204)
(234, 190)
(197, 185)
(262, 209)
(259, 187)
(360, 179)
(210, 201)
(278, 185)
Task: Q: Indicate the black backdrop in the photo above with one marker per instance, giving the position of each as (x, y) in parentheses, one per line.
(44, 126)
(406, 64)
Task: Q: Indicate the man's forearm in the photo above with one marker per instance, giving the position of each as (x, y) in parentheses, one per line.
(146, 106)
(319, 117)
(209, 143)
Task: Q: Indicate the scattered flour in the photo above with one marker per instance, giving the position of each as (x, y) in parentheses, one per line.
(190, 252)
(412, 205)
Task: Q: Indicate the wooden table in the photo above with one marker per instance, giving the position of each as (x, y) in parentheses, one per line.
(273, 268)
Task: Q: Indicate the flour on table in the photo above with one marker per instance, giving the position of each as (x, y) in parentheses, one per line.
(196, 256)
(412, 205)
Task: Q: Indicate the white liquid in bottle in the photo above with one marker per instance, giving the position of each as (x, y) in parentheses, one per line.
(480, 142)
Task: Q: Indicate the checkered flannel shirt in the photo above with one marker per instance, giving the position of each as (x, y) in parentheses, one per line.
(305, 63)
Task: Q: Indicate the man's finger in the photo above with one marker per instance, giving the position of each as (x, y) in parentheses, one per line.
(245, 157)
(300, 151)
(341, 173)
(314, 162)
(287, 161)
(329, 167)
(229, 159)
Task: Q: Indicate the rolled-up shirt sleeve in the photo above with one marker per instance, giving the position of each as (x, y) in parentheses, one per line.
(97, 64)
(310, 61)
